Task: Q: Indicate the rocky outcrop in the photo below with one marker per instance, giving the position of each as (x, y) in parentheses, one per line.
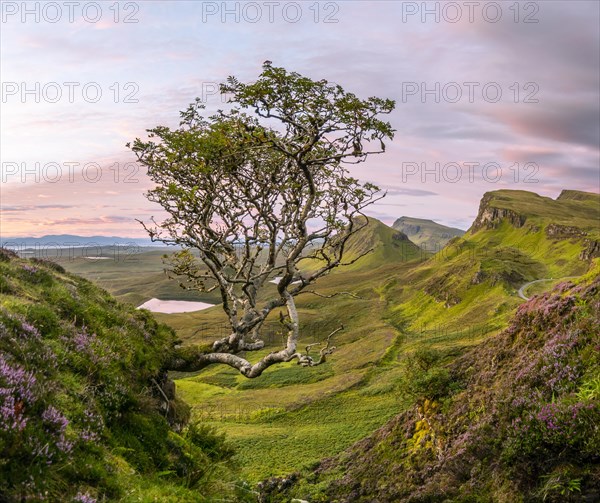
(557, 231)
(490, 217)
(511, 278)
(400, 236)
(479, 277)
(440, 290)
(591, 249)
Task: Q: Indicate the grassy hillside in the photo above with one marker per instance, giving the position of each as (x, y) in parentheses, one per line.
(514, 419)
(517, 237)
(82, 417)
(447, 303)
(408, 303)
(427, 234)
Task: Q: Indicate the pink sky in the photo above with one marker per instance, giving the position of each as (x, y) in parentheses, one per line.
(543, 132)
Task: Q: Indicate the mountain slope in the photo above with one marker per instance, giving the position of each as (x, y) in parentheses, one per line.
(516, 420)
(427, 234)
(516, 238)
(82, 417)
(383, 244)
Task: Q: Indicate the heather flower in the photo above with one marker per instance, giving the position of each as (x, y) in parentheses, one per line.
(57, 424)
(29, 330)
(84, 498)
(11, 414)
(82, 340)
(53, 417)
(92, 427)
(15, 380)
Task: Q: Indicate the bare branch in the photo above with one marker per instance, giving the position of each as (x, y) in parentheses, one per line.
(330, 296)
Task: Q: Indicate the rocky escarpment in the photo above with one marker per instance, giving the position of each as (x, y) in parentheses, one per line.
(490, 216)
(442, 290)
(400, 236)
(564, 231)
(591, 249)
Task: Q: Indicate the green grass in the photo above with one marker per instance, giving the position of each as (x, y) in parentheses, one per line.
(292, 440)
(293, 416)
(78, 374)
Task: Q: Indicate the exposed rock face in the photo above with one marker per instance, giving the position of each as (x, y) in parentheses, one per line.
(490, 217)
(591, 250)
(512, 278)
(479, 277)
(440, 289)
(400, 236)
(564, 231)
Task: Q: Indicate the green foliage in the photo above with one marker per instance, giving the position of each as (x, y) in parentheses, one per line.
(78, 414)
(562, 485)
(590, 389)
(425, 378)
(211, 442)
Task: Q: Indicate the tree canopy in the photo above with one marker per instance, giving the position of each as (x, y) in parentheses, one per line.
(262, 190)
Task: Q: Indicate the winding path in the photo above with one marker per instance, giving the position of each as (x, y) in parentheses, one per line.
(521, 291)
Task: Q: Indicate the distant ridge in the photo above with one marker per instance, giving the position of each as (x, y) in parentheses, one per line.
(427, 234)
(572, 209)
(67, 240)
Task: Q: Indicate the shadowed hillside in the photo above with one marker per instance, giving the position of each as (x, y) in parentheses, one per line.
(427, 234)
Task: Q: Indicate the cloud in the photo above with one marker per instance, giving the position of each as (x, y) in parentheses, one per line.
(31, 207)
(170, 53)
(409, 192)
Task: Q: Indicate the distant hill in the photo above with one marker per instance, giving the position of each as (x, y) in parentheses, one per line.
(427, 234)
(68, 240)
(388, 245)
(374, 245)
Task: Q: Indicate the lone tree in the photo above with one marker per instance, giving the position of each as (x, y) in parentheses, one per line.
(261, 191)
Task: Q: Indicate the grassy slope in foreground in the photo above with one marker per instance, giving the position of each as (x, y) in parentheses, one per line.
(80, 419)
(519, 421)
